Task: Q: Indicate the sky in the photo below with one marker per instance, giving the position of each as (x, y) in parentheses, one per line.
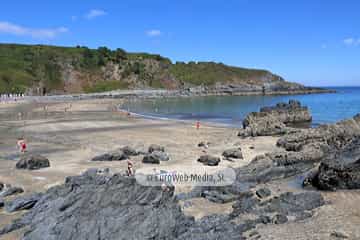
(314, 42)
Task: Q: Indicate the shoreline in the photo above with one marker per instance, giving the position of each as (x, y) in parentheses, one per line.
(156, 93)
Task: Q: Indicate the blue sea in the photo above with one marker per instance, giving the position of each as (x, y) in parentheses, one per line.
(231, 110)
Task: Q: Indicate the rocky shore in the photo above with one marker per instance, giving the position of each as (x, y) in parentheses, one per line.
(99, 204)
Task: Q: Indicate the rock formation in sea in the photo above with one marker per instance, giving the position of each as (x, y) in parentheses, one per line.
(275, 120)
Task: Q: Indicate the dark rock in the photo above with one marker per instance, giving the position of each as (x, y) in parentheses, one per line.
(204, 144)
(274, 120)
(217, 197)
(279, 219)
(156, 157)
(114, 156)
(118, 208)
(340, 170)
(233, 153)
(11, 191)
(1, 203)
(155, 147)
(2, 185)
(209, 160)
(129, 151)
(339, 235)
(265, 219)
(263, 192)
(32, 162)
(22, 203)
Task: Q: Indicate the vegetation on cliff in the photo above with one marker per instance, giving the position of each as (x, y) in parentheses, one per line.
(51, 69)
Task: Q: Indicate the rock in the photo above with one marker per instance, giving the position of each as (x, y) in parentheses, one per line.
(1, 203)
(233, 153)
(275, 120)
(339, 235)
(279, 219)
(156, 157)
(2, 185)
(340, 170)
(32, 162)
(114, 156)
(22, 203)
(129, 151)
(155, 147)
(263, 192)
(209, 160)
(11, 191)
(217, 197)
(100, 207)
(204, 144)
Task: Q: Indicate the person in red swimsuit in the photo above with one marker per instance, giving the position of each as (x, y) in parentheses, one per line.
(22, 145)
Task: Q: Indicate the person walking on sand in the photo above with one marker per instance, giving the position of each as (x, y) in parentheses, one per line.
(21, 143)
(197, 125)
(130, 170)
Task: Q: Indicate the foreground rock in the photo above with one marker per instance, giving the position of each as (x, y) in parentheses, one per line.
(155, 147)
(117, 207)
(340, 170)
(275, 120)
(22, 203)
(32, 162)
(209, 160)
(233, 153)
(9, 191)
(129, 151)
(113, 156)
(156, 157)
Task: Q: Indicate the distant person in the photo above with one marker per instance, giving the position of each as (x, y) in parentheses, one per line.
(130, 170)
(21, 143)
(198, 125)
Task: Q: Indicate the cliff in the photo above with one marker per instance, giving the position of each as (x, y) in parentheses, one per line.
(41, 69)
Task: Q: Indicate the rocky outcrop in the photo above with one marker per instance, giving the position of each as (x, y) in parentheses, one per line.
(105, 206)
(155, 147)
(9, 191)
(275, 120)
(130, 151)
(209, 160)
(233, 153)
(113, 156)
(22, 203)
(340, 170)
(155, 157)
(32, 162)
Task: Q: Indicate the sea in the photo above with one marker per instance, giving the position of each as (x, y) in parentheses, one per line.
(231, 110)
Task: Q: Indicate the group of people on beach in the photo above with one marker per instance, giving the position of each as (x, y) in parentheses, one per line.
(11, 97)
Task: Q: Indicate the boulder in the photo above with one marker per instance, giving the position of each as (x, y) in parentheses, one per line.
(209, 160)
(155, 147)
(275, 120)
(204, 144)
(32, 162)
(279, 219)
(217, 197)
(263, 192)
(1, 203)
(113, 156)
(11, 191)
(129, 151)
(2, 185)
(156, 157)
(233, 153)
(22, 203)
(340, 170)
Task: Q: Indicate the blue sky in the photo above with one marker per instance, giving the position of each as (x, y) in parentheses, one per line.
(309, 41)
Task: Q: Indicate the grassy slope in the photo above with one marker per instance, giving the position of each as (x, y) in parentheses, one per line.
(24, 66)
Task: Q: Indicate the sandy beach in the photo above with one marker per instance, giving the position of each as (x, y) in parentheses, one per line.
(70, 138)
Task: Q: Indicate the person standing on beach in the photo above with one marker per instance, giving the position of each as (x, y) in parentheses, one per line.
(21, 143)
(130, 170)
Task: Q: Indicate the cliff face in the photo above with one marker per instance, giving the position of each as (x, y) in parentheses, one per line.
(39, 69)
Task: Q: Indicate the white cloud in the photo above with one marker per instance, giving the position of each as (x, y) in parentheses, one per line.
(14, 29)
(153, 33)
(95, 13)
(351, 41)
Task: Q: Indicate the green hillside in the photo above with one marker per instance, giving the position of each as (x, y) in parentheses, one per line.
(80, 69)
